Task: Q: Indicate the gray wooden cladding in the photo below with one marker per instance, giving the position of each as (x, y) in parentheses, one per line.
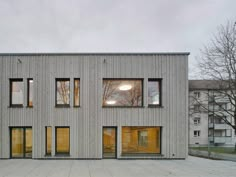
(86, 121)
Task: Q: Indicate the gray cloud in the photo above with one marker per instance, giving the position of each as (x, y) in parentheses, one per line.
(111, 25)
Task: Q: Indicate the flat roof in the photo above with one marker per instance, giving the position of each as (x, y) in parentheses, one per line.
(102, 53)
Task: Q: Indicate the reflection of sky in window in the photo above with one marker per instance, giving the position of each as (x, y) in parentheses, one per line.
(153, 92)
(17, 92)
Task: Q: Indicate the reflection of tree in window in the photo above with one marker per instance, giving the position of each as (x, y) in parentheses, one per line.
(76, 92)
(63, 92)
(122, 92)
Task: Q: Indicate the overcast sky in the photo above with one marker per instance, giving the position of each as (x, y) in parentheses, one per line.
(111, 25)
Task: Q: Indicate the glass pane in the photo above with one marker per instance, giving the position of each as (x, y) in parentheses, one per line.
(109, 142)
(140, 140)
(122, 92)
(76, 92)
(31, 92)
(63, 140)
(28, 142)
(17, 92)
(63, 92)
(49, 140)
(17, 142)
(153, 93)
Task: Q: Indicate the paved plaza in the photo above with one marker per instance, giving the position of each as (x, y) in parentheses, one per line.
(193, 166)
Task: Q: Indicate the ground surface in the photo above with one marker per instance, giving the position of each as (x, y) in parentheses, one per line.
(193, 166)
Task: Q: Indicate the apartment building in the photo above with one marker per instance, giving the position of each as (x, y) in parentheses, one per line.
(207, 112)
(94, 105)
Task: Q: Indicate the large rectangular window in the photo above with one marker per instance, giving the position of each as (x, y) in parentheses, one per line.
(123, 92)
(62, 140)
(142, 140)
(154, 92)
(16, 92)
(76, 92)
(48, 140)
(30, 92)
(62, 92)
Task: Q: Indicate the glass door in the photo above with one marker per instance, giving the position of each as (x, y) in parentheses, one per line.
(21, 142)
(109, 142)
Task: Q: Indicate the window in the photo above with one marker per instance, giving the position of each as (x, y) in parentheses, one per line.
(228, 133)
(76, 92)
(196, 133)
(154, 92)
(141, 140)
(122, 92)
(16, 92)
(197, 94)
(48, 140)
(30, 92)
(62, 140)
(62, 92)
(196, 121)
(223, 107)
(21, 142)
(196, 108)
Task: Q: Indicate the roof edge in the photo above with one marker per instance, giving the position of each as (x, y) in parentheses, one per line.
(97, 53)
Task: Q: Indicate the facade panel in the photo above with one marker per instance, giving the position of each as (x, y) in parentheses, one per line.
(87, 120)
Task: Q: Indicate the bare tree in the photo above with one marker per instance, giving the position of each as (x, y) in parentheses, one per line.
(218, 63)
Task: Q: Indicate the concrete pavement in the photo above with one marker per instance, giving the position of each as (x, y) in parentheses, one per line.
(192, 166)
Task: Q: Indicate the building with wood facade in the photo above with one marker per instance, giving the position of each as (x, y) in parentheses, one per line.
(94, 105)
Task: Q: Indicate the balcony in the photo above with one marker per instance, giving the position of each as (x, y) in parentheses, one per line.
(221, 140)
(219, 126)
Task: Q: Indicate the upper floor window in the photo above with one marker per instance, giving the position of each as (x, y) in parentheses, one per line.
(123, 92)
(196, 121)
(76, 92)
(16, 92)
(196, 94)
(196, 133)
(62, 92)
(196, 108)
(154, 92)
(30, 92)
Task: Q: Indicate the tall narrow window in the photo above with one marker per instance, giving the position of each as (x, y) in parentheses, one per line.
(62, 92)
(76, 92)
(62, 140)
(48, 140)
(30, 92)
(154, 92)
(123, 92)
(16, 92)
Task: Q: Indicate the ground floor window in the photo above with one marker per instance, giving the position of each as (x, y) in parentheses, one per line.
(62, 140)
(48, 140)
(21, 142)
(141, 140)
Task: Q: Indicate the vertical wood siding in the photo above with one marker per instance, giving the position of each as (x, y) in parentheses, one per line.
(86, 122)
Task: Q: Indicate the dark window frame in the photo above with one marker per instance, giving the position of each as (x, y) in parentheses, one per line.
(74, 92)
(10, 93)
(142, 85)
(144, 154)
(46, 141)
(24, 141)
(61, 153)
(159, 80)
(28, 92)
(61, 105)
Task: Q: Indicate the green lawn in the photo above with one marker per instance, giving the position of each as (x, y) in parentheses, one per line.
(227, 150)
